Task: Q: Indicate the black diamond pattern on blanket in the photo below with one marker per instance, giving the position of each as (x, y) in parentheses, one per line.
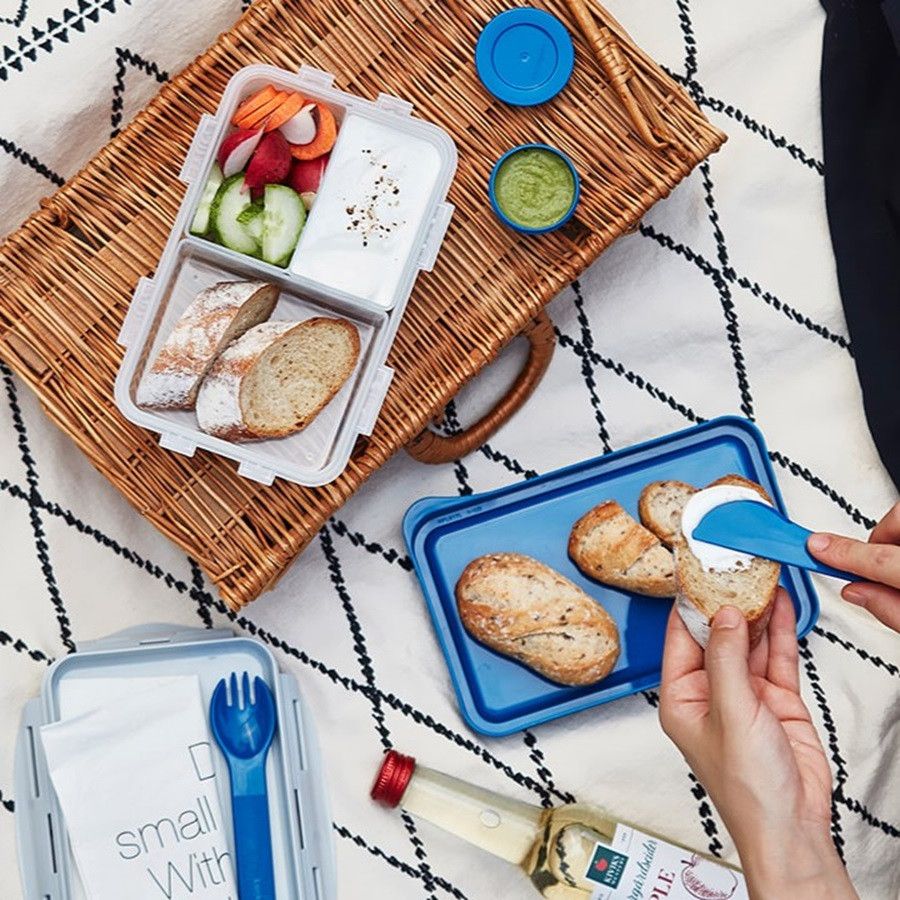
(616, 380)
(125, 60)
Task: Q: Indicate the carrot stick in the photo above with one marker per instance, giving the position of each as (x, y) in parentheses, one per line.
(253, 102)
(286, 111)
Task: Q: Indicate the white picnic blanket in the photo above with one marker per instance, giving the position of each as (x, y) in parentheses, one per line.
(724, 301)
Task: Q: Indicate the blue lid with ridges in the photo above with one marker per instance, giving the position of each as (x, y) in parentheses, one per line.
(524, 56)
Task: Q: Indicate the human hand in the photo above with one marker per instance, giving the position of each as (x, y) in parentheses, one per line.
(877, 561)
(738, 718)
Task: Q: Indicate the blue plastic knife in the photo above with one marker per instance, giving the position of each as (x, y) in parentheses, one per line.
(761, 530)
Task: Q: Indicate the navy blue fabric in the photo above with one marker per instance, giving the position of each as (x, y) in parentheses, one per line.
(861, 133)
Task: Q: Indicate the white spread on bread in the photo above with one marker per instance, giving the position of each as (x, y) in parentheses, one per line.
(712, 557)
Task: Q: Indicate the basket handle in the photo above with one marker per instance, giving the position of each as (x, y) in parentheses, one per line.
(430, 447)
(644, 115)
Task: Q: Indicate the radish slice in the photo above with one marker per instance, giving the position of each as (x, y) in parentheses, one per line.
(301, 128)
(236, 150)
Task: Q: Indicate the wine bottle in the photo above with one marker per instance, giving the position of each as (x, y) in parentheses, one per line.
(569, 852)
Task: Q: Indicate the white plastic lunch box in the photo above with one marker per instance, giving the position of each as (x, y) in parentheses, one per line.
(302, 845)
(318, 454)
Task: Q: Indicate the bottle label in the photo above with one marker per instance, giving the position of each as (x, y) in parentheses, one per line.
(638, 866)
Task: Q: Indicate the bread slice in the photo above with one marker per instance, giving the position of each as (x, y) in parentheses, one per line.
(607, 544)
(277, 378)
(524, 609)
(700, 593)
(216, 317)
(660, 506)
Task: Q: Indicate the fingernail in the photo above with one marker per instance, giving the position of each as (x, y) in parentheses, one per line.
(819, 542)
(728, 617)
(853, 594)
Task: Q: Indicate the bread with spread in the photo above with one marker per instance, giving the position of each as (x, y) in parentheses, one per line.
(701, 591)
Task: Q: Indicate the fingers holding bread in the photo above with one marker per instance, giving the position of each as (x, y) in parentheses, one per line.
(702, 590)
(608, 545)
(522, 608)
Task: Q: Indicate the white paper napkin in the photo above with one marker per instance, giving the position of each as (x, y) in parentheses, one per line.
(137, 788)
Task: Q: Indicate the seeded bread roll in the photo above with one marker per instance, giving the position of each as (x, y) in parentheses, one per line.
(277, 378)
(660, 507)
(607, 544)
(216, 317)
(524, 609)
(700, 593)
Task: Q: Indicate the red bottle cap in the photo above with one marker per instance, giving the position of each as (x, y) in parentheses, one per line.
(393, 778)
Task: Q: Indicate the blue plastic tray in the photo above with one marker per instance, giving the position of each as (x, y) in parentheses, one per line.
(498, 696)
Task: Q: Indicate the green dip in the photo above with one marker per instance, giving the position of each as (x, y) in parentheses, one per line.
(534, 188)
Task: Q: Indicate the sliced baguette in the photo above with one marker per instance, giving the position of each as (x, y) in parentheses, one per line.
(660, 507)
(524, 609)
(216, 317)
(700, 594)
(277, 378)
(607, 544)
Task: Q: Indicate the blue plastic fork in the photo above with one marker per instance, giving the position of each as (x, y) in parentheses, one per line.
(244, 725)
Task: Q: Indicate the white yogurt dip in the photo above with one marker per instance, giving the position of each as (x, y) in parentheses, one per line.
(712, 557)
(367, 219)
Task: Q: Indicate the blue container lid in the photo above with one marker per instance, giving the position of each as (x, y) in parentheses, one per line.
(524, 56)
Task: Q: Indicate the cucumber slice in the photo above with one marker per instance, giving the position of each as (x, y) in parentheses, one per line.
(200, 224)
(227, 206)
(284, 216)
(252, 219)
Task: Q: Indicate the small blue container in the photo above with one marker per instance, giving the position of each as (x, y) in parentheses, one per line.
(499, 696)
(516, 226)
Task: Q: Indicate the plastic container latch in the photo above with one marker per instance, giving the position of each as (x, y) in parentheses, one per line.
(368, 415)
(177, 443)
(392, 104)
(435, 236)
(137, 312)
(255, 472)
(152, 635)
(199, 149)
(312, 77)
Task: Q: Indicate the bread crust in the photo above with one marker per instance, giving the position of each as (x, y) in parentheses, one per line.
(522, 608)
(219, 404)
(623, 543)
(202, 332)
(696, 609)
(662, 530)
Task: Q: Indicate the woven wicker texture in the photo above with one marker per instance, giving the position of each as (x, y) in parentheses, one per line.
(66, 276)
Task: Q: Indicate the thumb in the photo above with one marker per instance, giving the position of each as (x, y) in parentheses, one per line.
(727, 665)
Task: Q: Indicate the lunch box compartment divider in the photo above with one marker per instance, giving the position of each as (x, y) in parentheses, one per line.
(157, 306)
(318, 454)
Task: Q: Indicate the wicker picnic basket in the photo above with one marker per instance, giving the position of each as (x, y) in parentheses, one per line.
(66, 276)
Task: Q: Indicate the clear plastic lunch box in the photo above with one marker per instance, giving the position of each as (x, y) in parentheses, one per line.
(302, 846)
(318, 454)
